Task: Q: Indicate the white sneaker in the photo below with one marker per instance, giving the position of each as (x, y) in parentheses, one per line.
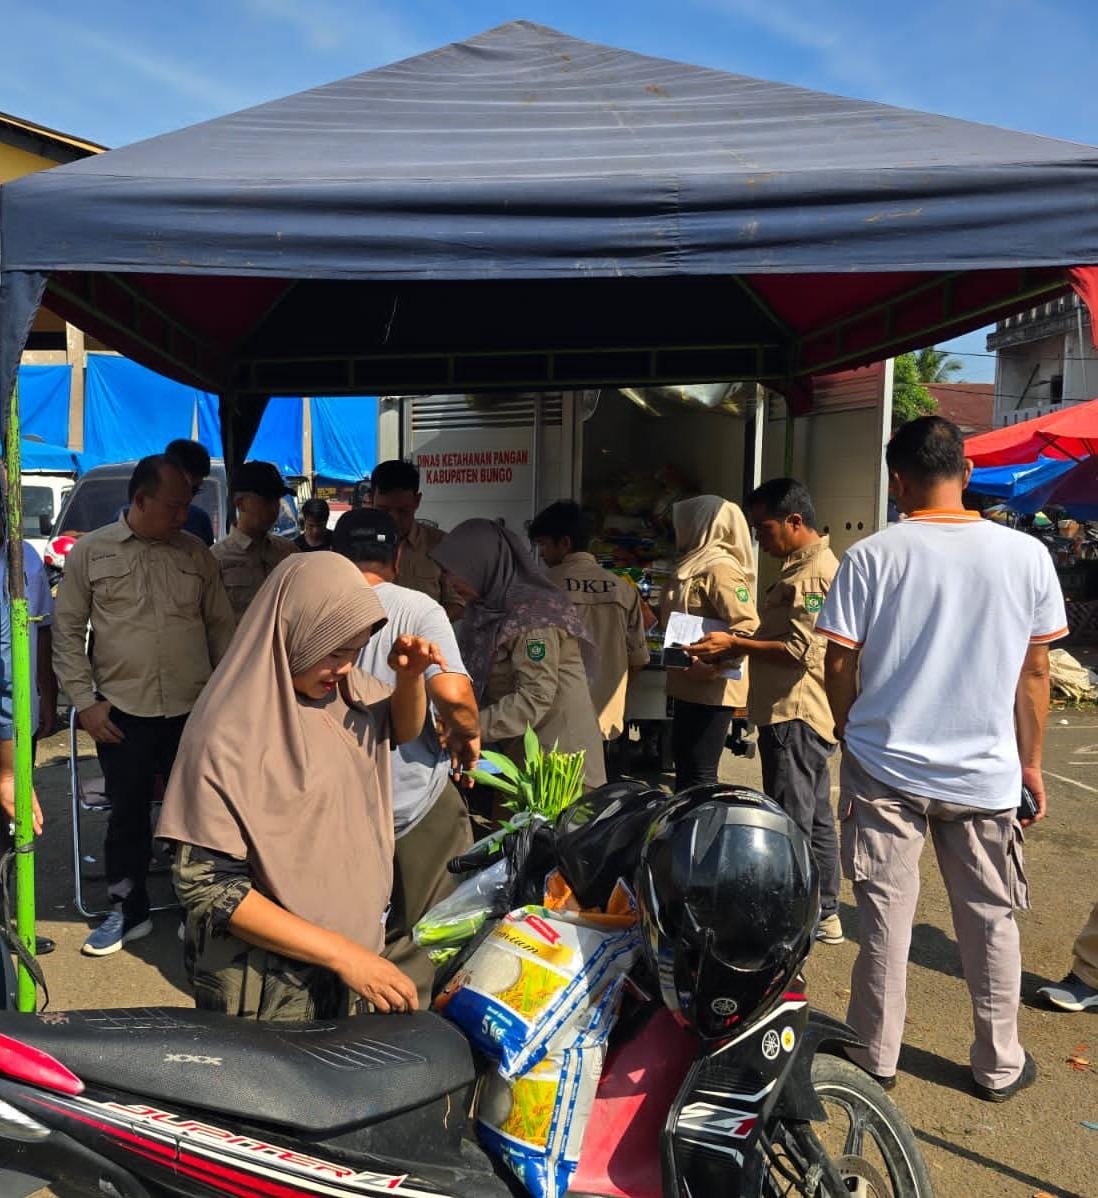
(1072, 994)
(112, 933)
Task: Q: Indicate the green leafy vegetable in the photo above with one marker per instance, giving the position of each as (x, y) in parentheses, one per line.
(547, 783)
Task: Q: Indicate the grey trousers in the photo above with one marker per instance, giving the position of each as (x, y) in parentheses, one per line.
(794, 761)
(980, 859)
(420, 879)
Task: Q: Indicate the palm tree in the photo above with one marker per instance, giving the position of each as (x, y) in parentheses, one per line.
(936, 365)
(911, 374)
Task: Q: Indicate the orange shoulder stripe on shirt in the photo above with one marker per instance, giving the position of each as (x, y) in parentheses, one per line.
(839, 640)
(1045, 637)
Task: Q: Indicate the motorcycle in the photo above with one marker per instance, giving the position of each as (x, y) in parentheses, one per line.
(151, 1102)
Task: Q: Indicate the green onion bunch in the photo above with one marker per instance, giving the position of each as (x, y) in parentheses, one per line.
(548, 782)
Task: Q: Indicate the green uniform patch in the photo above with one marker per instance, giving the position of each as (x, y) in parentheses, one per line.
(535, 650)
(743, 594)
(813, 601)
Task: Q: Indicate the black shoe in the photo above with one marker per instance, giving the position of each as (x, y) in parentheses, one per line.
(1000, 1094)
(886, 1083)
(42, 944)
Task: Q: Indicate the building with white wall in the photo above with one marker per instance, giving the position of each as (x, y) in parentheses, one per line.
(1045, 360)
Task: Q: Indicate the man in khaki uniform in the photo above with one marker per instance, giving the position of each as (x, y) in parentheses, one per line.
(394, 488)
(609, 606)
(787, 700)
(250, 552)
(160, 623)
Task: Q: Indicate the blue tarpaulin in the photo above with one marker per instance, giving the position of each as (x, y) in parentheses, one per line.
(344, 437)
(1011, 482)
(1075, 489)
(278, 439)
(44, 402)
(130, 411)
(209, 424)
(280, 436)
(38, 455)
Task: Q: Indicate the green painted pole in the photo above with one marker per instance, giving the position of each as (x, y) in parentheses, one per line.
(21, 707)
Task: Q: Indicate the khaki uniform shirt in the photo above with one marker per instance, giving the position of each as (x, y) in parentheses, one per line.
(245, 563)
(537, 678)
(159, 617)
(720, 593)
(788, 614)
(610, 608)
(419, 571)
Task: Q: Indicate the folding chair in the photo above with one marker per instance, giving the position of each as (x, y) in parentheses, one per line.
(87, 797)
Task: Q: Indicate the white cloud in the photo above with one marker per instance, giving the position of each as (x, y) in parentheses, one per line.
(159, 68)
(846, 50)
(330, 27)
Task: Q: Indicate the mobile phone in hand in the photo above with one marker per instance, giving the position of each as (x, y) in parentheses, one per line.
(1027, 805)
(675, 657)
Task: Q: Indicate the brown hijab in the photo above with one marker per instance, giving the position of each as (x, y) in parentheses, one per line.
(297, 787)
(512, 596)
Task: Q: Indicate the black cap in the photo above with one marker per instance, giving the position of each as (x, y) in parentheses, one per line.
(364, 525)
(260, 478)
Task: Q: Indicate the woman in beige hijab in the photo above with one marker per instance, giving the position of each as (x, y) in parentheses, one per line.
(279, 802)
(714, 577)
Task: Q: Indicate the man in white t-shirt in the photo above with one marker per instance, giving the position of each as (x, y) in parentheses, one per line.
(937, 676)
(429, 814)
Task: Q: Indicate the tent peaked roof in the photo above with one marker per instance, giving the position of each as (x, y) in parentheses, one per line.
(625, 163)
(607, 217)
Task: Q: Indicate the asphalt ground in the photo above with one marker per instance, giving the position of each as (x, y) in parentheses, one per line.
(1035, 1144)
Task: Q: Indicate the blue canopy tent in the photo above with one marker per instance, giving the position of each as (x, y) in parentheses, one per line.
(1011, 482)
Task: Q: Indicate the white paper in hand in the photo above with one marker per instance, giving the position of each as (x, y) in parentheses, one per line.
(683, 629)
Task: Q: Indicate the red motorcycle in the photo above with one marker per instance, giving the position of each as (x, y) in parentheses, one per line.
(148, 1102)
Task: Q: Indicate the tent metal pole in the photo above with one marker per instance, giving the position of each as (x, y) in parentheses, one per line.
(21, 707)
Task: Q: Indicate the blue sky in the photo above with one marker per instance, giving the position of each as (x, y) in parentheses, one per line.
(122, 70)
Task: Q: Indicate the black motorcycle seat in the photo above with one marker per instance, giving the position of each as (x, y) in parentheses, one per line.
(318, 1077)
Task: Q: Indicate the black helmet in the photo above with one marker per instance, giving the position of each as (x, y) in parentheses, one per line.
(728, 896)
(599, 837)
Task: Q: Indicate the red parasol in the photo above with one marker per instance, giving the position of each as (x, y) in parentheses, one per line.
(1067, 433)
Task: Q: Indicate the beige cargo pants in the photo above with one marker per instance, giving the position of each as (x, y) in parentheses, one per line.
(979, 856)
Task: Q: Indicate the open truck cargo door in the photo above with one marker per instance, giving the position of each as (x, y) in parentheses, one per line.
(837, 451)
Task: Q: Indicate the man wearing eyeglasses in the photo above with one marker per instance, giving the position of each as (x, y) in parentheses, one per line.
(193, 459)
